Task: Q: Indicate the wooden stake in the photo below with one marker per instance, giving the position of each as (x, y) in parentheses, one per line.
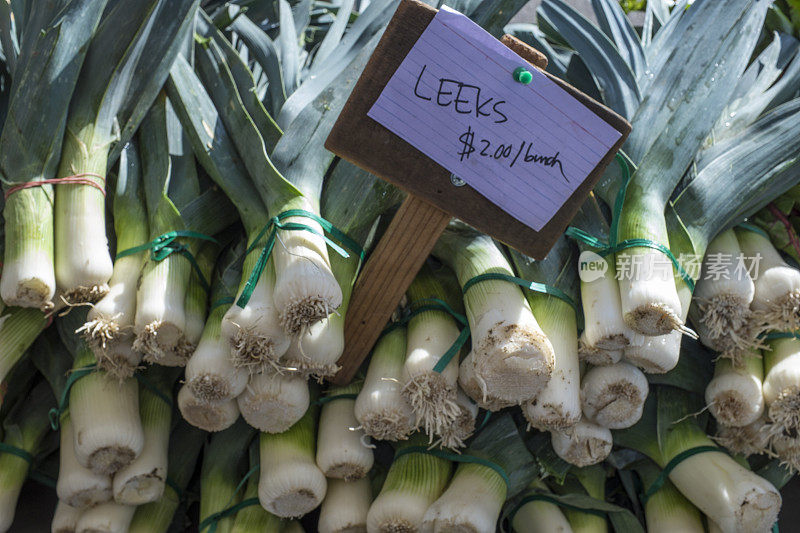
(387, 274)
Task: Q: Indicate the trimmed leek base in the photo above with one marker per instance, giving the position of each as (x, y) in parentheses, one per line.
(462, 428)
(782, 385)
(650, 303)
(65, 518)
(584, 444)
(734, 395)
(306, 290)
(343, 450)
(752, 439)
(78, 486)
(290, 483)
(539, 516)
(475, 388)
(776, 300)
(109, 517)
(210, 375)
(414, 482)
(254, 333)
(29, 278)
(613, 396)
(658, 355)
(596, 356)
(105, 417)
(208, 416)
(472, 501)
(723, 299)
(380, 408)
(345, 507)
(160, 312)
(273, 402)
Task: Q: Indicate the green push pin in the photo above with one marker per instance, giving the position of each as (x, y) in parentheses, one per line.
(523, 76)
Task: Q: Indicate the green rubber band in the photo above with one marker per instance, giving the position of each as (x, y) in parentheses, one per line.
(775, 528)
(227, 300)
(63, 402)
(19, 452)
(213, 519)
(772, 335)
(327, 399)
(456, 458)
(270, 230)
(486, 418)
(664, 474)
(544, 497)
(147, 384)
(43, 479)
(164, 245)
(753, 228)
(175, 487)
(525, 284)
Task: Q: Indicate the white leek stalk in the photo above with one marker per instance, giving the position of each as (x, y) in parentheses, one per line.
(462, 428)
(782, 385)
(210, 374)
(65, 518)
(274, 402)
(613, 396)
(539, 516)
(667, 510)
(380, 408)
(105, 418)
(414, 482)
(511, 359)
(752, 439)
(254, 332)
(345, 507)
(605, 328)
(305, 288)
(343, 449)
(776, 301)
(558, 405)
(734, 395)
(109, 326)
(430, 335)
(78, 486)
(290, 483)
(595, 356)
(584, 444)
(209, 416)
(109, 517)
(472, 501)
(723, 296)
(142, 481)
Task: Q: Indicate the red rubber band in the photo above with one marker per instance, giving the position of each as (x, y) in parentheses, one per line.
(77, 179)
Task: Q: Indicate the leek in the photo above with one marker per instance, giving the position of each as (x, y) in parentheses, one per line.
(511, 358)
(274, 402)
(782, 385)
(291, 484)
(734, 396)
(254, 518)
(540, 516)
(209, 416)
(613, 396)
(345, 507)
(462, 427)
(65, 518)
(78, 486)
(667, 510)
(108, 517)
(584, 444)
(343, 450)
(380, 407)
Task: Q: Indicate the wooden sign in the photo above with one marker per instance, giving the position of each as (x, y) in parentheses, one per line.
(434, 195)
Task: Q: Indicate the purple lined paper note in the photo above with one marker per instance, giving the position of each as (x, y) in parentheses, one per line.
(526, 148)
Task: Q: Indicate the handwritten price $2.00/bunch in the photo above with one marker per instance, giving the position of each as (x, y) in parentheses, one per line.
(509, 152)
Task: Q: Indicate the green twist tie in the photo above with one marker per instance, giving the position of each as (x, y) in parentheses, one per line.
(165, 245)
(544, 497)
(772, 335)
(271, 231)
(43, 479)
(456, 458)
(525, 284)
(227, 300)
(612, 247)
(327, 399)
(19, 452)
(753, 228)
(147, 384)
(63, 402)
(212, 520)
(678, 459)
